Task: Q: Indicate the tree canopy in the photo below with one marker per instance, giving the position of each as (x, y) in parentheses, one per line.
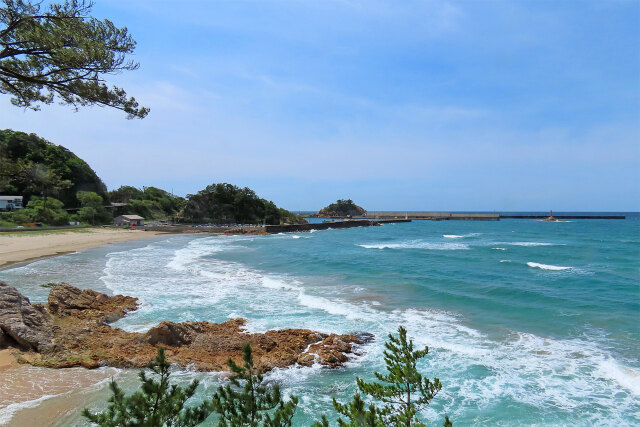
(150, 203)
(342, 208)
(61, 52)
(226, 203)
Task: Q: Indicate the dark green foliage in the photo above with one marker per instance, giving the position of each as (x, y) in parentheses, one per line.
(63, 53)
(30, 165)
(150, 203)
(158, 403)
(228, 204)
(355, 413)
(342, 208)
(93, 210)
(403, 391)
(251, 404)
(47, 211)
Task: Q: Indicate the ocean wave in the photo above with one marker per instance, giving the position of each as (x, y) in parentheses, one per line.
(522, 367)
(529, 244)
(416, 244)
(499, 249)
(548, 267)
(460, 236)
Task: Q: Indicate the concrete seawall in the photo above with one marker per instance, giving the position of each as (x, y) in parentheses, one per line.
(432, 216)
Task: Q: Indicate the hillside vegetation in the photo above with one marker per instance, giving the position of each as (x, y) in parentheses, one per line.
(57, 187)
(225, 203)
(32, 166)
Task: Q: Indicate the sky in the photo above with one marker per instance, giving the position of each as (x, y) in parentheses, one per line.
(414, 105)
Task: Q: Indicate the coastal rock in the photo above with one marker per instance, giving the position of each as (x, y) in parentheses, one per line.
(66, 300)
(21, 323)
(76, 321)
(332, 351)
(170, 333)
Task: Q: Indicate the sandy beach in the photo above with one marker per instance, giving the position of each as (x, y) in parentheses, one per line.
(30, 245)
(20, 383)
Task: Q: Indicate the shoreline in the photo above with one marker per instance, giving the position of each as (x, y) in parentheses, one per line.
(17, 250)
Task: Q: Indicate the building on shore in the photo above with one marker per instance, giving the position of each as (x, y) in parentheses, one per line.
(9, 203)
(130, 220)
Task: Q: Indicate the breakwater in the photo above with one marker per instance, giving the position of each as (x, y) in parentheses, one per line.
(433, 216)
(468, 216)
(564, 216)
(327, 225)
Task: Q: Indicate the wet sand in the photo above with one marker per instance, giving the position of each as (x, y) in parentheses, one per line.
(30, 245)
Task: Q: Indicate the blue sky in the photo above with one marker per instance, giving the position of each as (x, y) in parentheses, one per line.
(416, 105)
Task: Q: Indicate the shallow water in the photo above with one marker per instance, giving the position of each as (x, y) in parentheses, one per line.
(527, 322)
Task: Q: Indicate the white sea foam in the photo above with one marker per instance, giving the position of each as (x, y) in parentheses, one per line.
(505, 260)
(499, 249)
(527, 244)
(9, 411)
(460, 236)
(548, 267)
(611, 370)
(521, 367)
(418, 244)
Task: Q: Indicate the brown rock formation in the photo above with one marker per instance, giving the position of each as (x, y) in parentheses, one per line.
(78, 321)
(22, 323)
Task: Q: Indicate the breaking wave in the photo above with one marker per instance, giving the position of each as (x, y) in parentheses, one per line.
(416, 244)
(548, 267)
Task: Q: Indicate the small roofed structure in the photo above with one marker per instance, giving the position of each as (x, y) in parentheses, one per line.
(9, 203)
(130, 220)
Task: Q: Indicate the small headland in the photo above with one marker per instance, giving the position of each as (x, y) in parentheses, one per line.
(72, 329)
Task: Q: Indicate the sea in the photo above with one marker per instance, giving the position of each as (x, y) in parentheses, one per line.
(527, 322)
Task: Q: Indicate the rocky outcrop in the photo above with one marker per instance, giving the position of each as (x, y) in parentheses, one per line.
(87, 304)
(341, 209)
(22, 323)
(77, 321)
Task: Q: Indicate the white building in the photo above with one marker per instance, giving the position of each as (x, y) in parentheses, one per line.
(9, 203)
(133, 220)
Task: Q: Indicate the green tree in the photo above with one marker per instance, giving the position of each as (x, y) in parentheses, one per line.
(251, 404)
(49, 212)
(226, 203)
(357, 415)
(43, 181)
(27, 162)
(62, 52)
(93, 210)
(158, 403)
(403, 391)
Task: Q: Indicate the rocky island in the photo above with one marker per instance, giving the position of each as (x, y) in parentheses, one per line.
(341, 209)
(72, 329)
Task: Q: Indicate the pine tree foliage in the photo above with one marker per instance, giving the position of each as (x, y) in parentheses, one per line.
(247, 402)
(355, 413)
(403, 390)
(158, 403)
(62, 52)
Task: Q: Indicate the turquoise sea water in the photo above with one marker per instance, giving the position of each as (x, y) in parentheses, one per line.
(527, 322)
